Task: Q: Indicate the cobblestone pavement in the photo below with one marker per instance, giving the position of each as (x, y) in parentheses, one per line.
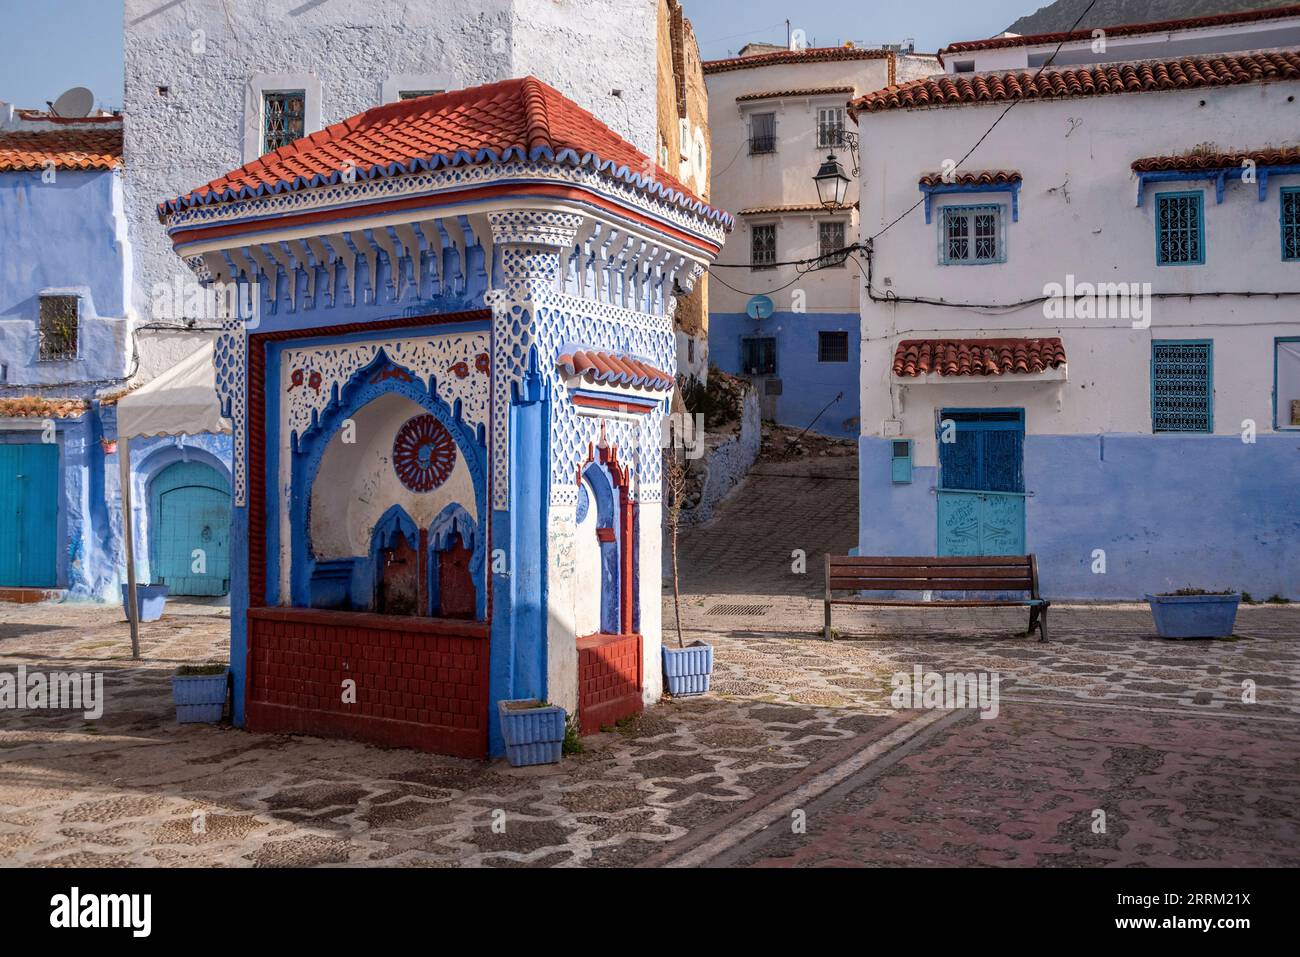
(1104, 717)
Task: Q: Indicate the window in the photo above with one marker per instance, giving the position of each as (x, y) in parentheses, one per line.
(1182, 385)
(830, 128)
(762, 133)
(60, 317)
(830, 239)
(762, 246)
(832, 347)
(1291, 224)
(972, 235)
(964, 66)
(283, 114)
(1286, 383)
(758, 356)
(416, 94)
(1180, 229)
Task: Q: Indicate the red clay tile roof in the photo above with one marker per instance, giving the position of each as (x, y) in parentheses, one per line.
(810, 55)
(982, 357)
(1285, 156)
(595, 366)
(512, 120)
(806, 91)
(1145, 76)
(1123, 30)
(37, 407)
(986, 177)
(67, 149)
(798, 208)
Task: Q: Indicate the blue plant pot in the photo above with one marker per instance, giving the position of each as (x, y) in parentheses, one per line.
(687, 670)
(1194, 616)
(149, 599)
(200, 698)
(532, 735)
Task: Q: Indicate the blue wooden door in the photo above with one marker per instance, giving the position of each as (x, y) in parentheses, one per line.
(981, 491)
(29, 515)
(189, 529)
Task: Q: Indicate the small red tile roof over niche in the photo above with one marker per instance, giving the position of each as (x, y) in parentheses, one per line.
(810, 55)
(513, 120)
(610, 369)
(985, 177)
(1283, 156)
(791, 94)
(65, 148)
(1147, 76)
(1123, 30)
(977, 357)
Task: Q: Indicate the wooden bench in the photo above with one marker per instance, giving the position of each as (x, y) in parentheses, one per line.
(1009, 573)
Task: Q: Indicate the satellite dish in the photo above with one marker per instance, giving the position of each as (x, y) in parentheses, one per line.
(76, 102)
(760, 307)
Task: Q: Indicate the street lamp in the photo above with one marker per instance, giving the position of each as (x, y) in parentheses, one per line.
(832, 183)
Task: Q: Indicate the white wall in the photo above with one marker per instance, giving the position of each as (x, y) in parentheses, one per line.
(1078, 215)
(350, 48)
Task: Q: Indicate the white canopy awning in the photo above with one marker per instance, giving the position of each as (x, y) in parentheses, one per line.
(181, 401)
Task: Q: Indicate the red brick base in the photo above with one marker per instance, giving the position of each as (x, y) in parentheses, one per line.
(609, 680)
(420, 682)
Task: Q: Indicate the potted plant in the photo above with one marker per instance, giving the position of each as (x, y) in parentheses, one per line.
(200, 692)
(1195, 613)
(687, 668)
(534, 731)
(149, 600)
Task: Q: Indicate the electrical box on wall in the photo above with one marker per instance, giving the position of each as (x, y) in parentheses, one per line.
(901, 461)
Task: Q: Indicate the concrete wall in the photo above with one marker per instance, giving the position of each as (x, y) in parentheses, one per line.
(1179, 510)
(727, 463)
(65, 235)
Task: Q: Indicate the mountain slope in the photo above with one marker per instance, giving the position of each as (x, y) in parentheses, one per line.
(1061, 14)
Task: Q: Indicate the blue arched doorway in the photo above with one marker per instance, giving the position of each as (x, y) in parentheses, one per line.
(189, 529)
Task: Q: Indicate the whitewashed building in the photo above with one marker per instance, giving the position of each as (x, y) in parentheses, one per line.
(1084, 340)
(774, 117)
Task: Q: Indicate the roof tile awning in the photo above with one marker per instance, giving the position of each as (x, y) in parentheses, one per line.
(797, 208)
(977, 357)
(985, 177)
(1106, 79)
(64, 149)
(809, 55)
(792, 94)
(1285, 156)
(606, 368)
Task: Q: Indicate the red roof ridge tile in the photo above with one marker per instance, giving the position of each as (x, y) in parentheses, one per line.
(66, 148)
(807, 55)
(596, 365)
(1123, 29)
(1204, 159)
(1138, 76)
(519, 118)
(983, 357)
(973, 177)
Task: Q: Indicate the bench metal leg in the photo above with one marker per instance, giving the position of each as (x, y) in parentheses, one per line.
(826, 629)
(1033, 619)
(1042, 625)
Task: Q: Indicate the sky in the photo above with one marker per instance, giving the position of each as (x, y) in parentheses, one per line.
(47, 46)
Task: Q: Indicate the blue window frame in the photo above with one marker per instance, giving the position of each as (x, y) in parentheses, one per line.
(1291, 224)
(971, 236)
(1182, 385)
(1286, 383)
(1180, 229)
(283, 118)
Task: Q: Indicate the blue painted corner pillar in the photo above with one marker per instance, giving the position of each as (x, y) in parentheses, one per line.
(518, 668)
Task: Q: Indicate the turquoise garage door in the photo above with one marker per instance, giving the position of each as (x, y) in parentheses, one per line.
(189, 529)
(29, 515)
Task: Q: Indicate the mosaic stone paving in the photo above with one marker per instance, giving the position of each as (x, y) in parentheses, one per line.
(135, 788)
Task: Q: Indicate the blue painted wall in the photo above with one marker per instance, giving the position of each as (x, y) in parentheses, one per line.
(67, 235)
(808, 385)
(1169, 511)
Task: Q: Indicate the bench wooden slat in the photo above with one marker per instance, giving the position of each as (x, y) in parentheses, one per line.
(927, 571)
(929, 584)
(967, 561)
(941, 603)
(982, 573)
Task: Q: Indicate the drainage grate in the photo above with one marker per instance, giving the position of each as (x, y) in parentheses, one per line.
(740, 611)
